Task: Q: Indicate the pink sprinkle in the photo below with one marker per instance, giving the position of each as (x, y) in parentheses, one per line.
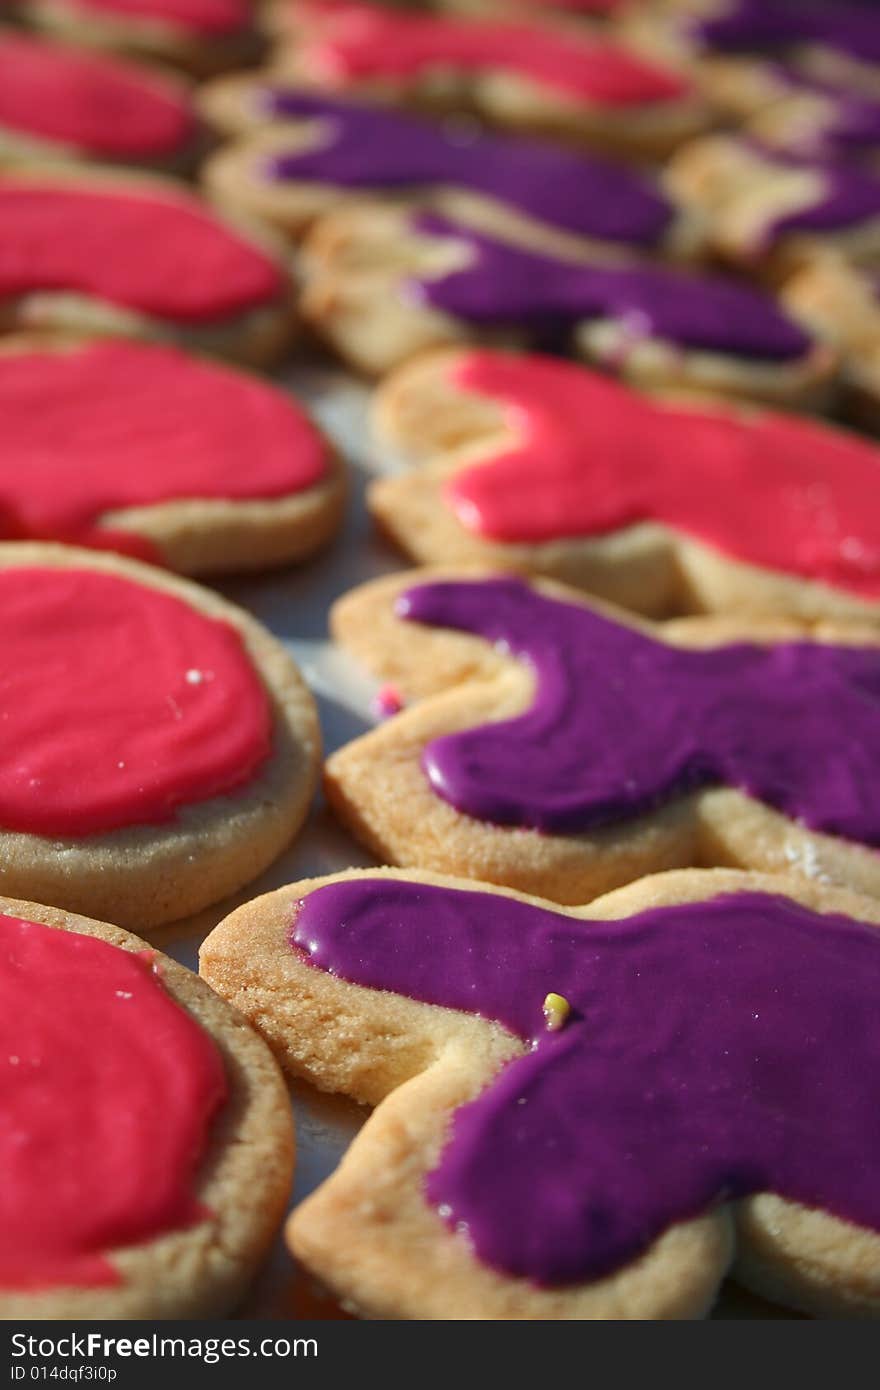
(387, 701)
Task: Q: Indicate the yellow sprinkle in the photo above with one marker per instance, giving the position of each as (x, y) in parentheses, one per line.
(556, 1011)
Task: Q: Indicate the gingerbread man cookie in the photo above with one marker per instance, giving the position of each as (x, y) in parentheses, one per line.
(173, 459)
(141, 256)
(586, 87)
(306, 152)
(561, 748)
(587, 1113)
(662, 504)
(173, 1205)
(381, 285)
(158, 748)
(58, 102)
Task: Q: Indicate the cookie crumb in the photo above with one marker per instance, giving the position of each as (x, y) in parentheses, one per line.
(387, 702)
(805, 858)
(556, 1010)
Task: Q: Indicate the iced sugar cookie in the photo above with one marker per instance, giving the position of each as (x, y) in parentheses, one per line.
(381, 285)
(587, 1113)
(60, 102)
(581, 86)
(157, 747)
(202, 36)
(561, 748)
(665, 504)
(114, 1206)
(772, 211)
(139, 257)
(306, 152)
(174, 459)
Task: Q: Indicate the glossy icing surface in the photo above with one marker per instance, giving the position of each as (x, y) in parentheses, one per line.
(108, 1090)
(111, 425)
(704, 1043)
(374, 147)
(621, 723)
(505, 284)
(96, 103)
(753, 25)
(847, 197)
(134, 244)
(120, 704)
(589, 456)
(357, 42)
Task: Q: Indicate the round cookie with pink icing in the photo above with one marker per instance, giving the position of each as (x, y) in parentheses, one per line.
(582, 86)
(582, 1113)
(60, 102)
(201, 36)
(663, 504)
(174, 459)
(381, 286)
(141, 257)
(173, 1205)
(158, 748)
(561, 747)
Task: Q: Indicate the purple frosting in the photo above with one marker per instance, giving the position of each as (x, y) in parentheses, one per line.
(621, 723)
(507, 285)
(852, 127)
(756, 25)
(849, 196)
(373, 147)
(713, 1050)
(855, 124)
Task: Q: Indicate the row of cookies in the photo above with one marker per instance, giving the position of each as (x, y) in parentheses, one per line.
(483, 235)
(158, 746)
(353, 981)
(488, 777)
(334, 1024)
(561, 1184)
(511, 239)
(557, 747)
(384, 282)
(371, 1233)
